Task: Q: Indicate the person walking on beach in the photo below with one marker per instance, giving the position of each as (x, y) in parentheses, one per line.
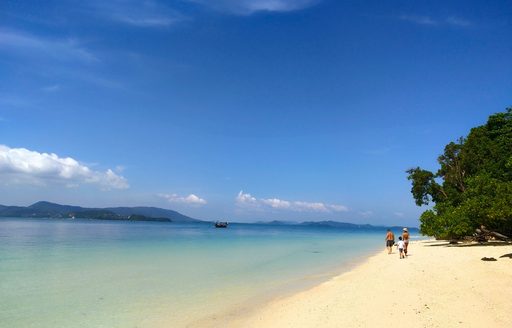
(405, 237)
(400, 245)
(390, 241)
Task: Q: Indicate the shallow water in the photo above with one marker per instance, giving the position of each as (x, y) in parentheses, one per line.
(86, 273)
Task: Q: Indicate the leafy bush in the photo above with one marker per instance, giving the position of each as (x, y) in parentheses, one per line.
(473, 185)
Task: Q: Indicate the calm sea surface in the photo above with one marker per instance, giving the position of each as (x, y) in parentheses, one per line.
(85, 273)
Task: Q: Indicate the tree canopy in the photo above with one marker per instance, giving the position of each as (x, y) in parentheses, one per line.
(473, 185)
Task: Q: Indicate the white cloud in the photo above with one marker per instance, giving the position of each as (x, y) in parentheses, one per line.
(244, 198)
(399, 214)
(58, 49)
(20, 165)
(315, 207)
(276, 203)
(247, 200)
(190, 199)
(247, 7)
(339, 208)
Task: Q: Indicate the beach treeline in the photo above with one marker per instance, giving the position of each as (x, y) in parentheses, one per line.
(473, 185)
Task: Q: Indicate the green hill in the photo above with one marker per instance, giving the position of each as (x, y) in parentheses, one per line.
(45, 209)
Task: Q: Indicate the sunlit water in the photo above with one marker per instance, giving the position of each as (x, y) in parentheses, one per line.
(85, 273)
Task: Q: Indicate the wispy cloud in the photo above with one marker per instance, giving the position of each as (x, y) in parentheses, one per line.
(20, 165)
(430, 21)
(190, 199)
(54, 59)
(399, 214)
(248, 7)
(51, 88)
(135, 13)
(366, 214)
(120, 168)
(35, 46)
(146, 21)
(248, 201)
(421, 20)
(456, 21)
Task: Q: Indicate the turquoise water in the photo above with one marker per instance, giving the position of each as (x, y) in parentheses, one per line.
(85, 273)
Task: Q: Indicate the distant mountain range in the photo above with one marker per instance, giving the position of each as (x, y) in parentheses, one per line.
(345, 225)
(338, 225)
(52, 210)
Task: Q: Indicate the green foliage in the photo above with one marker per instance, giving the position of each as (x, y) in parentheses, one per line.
(476, 188)
(447, 222)
(423, 186)
(429, 223)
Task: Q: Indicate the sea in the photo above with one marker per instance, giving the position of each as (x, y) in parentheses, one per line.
(90, 273)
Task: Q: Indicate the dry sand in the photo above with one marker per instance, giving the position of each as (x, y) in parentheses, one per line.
(436, 286)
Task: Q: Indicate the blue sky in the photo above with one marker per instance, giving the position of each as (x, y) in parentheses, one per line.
(245, 110)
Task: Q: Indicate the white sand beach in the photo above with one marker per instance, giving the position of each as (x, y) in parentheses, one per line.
(436, 286)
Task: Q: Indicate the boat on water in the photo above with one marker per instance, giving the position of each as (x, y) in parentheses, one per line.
(220, 224)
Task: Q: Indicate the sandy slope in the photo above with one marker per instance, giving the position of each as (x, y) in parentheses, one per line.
(436, 286)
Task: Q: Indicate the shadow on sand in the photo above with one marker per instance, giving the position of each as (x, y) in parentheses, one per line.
(487, 244)
(437, 243)
(446, 243)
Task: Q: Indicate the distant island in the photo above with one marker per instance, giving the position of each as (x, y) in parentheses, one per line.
(45, 209)
(338, 225)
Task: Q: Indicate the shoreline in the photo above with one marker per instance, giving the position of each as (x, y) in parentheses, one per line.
(438, 285)
(236, 315)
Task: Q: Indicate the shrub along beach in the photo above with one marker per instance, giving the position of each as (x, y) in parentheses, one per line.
(476, 188)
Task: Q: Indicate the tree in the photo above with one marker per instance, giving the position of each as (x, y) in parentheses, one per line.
(473, 185)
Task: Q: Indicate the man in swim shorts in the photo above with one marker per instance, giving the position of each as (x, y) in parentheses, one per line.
(390, 241)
